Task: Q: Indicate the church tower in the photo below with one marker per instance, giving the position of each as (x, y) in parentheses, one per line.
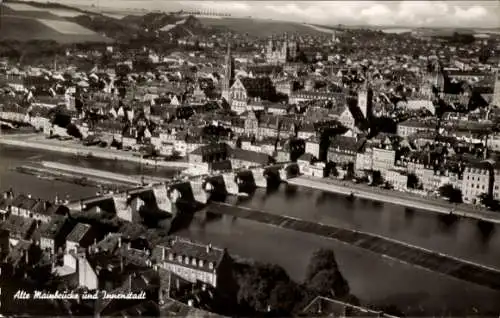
(228, 75)
(365, 98)
(496, 90)
(292, 49)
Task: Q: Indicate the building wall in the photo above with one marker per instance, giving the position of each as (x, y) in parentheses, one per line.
(71, 246)
(475, 182)
(398, 180)
(312, 147)
(47, 243)
(341, 157)
(86, 275)
(191, 274)
(364, 161)
(383, 159)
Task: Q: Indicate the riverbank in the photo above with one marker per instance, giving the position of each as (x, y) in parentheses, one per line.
(73, 148)
(101, 174)
(72, 178)
(402, 199)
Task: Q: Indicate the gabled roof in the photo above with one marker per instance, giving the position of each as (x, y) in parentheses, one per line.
(18, 224)
(251, 156)
(194, 251)
(52, 228)
(78, 233)
(24, 202)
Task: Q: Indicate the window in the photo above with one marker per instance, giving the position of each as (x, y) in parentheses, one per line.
(211, 265)
(171, 256)
(186, 260)
(179, 258)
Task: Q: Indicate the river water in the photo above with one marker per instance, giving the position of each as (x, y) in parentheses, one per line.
(373, 279)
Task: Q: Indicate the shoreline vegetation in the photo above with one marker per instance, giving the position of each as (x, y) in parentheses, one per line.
(399, 198)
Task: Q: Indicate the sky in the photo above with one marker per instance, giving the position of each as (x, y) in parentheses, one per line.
(468, 14)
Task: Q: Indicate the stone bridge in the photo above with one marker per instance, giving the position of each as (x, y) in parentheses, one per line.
(196, 190)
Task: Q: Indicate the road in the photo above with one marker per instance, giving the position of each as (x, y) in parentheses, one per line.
(396, 197)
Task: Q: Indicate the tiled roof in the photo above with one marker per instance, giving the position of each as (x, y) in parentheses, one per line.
(17, 253)
(43, 207)
(18, 224)
(306, 157)
(323, 306)
(105, 203)
(344, 143)
(212, 149)
(194, 251)
(257, 87)
(250, 156)
(52, 228)
(417, 123)
(24, 202)
(78, 232)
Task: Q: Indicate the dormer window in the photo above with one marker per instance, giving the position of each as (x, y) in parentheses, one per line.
(171, 256)
(211, 265)
(200, 263)
(179, 259)
(194, 262)
(186, 260)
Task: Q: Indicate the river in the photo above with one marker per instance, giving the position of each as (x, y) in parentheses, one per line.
(374, 279)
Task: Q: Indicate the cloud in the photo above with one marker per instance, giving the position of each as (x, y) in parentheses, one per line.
(221, 6)
(401, 13)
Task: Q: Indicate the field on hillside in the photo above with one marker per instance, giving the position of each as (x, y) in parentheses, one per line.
(23, 22)
(21, 29)
(259, 28)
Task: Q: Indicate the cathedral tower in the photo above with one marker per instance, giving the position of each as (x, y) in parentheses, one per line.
(228, 75)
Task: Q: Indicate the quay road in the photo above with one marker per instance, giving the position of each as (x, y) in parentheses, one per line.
(410, 200)
(403, 252)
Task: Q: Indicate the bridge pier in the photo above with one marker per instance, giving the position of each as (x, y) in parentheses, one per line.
(199, 193)
(259, 177)
(245, 181)
(230, 183)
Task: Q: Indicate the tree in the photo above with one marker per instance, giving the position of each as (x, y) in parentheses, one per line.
(329, 283)
(488, 201)
(412, 182)
(73, 131)
(283, 298)
(258, 283)
(451, 193)
(322, 259)
(377, 178)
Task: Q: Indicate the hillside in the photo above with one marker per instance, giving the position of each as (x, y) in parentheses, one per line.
(258, 27)
(26, 22)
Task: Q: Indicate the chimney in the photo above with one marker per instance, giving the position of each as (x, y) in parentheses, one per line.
(119, 242)
(163, 252)
(29, 196)
(26, 255)
(209, 248)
